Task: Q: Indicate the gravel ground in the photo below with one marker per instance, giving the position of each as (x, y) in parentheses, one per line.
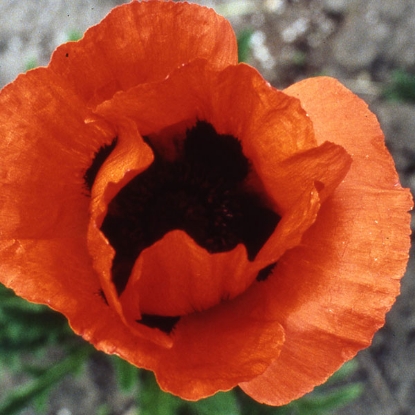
(361, 42)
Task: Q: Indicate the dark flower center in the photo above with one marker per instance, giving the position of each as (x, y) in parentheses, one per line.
(265, 272)
(202, 192)
(163, 323)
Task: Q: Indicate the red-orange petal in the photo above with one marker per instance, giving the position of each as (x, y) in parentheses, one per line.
(130, 157)
(317, 172)
(64, 280)
(332, 291)
(142, 42)
(236, 100)
(216, 349)
(175, 276)
(46, 146)
(47, 143)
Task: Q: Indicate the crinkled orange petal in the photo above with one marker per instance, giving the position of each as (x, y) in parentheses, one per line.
(317, 172)
(332, 292)
(324, 166)
(175, 276)
(46, 146)
(236, 101)
(216, 349)
(130, 157)
(48, 141)
(64, 280)
(142, 42)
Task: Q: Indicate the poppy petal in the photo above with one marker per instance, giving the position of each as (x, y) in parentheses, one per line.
(265, 120)
(64, 280)
(161, 36)
(325, 166)
(332, 291)
(48, 142)
(33, 205)
(187, 279)
(130, 157)
(317, 172)
(216, 349)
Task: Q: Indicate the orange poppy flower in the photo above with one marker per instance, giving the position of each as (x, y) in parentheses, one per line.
(188, 217)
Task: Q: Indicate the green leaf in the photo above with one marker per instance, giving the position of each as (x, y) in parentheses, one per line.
(26, 326)
(40, 402)
(74, 35)
(11, 301)
(20, 398)
(21, 330)
(103, 410)
(344, 372)
(30, 64)
(153, 401)
(326, 402)
(244, 45)
(127, 374)
(401, 88)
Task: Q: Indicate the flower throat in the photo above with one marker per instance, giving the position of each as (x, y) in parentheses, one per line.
(201, 192)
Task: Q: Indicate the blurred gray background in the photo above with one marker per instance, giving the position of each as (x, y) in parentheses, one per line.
(362, 43)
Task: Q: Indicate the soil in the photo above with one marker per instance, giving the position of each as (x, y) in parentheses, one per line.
(360, 42)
